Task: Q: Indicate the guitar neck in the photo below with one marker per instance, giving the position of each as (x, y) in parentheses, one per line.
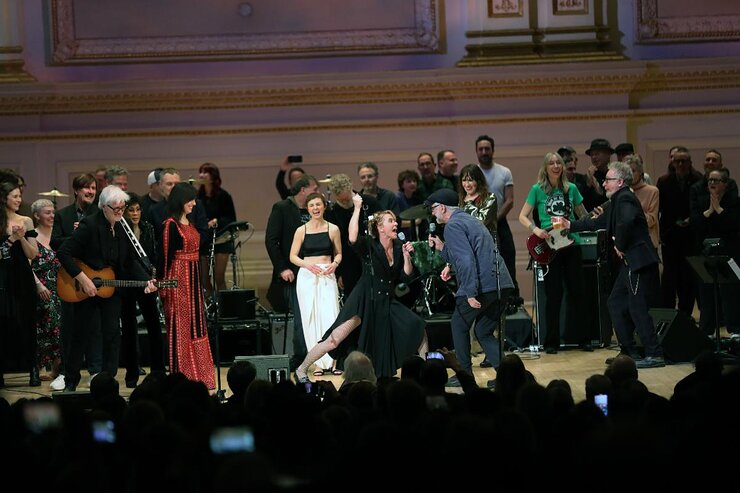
(115, 283)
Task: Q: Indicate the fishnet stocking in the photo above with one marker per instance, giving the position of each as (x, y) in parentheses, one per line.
(337, 335)
(424, 346)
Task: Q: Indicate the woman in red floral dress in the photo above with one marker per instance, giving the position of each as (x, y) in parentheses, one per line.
(187, 333)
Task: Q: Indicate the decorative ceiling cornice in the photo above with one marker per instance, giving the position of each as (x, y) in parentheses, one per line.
(377, 125)
(424, 88)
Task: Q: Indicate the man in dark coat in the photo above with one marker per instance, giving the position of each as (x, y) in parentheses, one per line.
(637, 280)
(286, 216)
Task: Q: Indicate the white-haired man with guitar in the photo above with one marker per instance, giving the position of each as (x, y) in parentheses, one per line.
(98, 244)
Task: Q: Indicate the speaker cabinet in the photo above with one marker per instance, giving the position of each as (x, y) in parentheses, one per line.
(273, 368)
(241, 337)
(678, 334)
(439, 332)
(236, 304)
(518, 329)
(594, 312)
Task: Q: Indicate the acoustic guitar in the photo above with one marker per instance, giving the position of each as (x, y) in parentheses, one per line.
(70, 290)
(543, 251)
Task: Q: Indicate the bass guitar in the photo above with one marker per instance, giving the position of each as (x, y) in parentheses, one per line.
(70, 290)
(543, 251)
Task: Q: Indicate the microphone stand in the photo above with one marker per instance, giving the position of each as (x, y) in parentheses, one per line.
(220, 392)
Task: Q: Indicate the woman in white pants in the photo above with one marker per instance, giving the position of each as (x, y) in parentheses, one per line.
(317, 250)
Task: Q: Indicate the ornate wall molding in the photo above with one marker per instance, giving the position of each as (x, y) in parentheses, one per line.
(379, 125)
(453, 86)
(652, 27)
(423, 35)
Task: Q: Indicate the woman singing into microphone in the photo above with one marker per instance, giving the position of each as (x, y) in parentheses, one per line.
(389, 332)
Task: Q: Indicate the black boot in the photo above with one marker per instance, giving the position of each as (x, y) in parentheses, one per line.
(34, 380)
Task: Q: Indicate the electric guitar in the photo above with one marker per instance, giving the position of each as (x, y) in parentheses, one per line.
(543, 251)
(70, 290)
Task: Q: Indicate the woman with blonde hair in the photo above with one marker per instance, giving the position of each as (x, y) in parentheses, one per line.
(389, 332)
(48, 312)
(554, 197)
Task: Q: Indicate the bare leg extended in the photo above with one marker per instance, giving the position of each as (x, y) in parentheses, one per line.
(337, 335)
(424, 346)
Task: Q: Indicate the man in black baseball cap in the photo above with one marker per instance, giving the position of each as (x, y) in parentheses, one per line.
(444, 196)
(483, 282)
(566, 151)
(624, 149)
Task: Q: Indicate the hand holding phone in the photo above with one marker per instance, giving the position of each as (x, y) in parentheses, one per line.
(234, 439)
(295, 158)
(435, 355)
(602, 402)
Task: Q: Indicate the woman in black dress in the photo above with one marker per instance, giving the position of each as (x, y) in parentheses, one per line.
(389, 332)
(17, 286)
(220, 211)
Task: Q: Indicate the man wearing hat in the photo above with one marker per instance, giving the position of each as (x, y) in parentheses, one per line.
(483, 282)
(585, 184)
(623, 150)
(600, 153)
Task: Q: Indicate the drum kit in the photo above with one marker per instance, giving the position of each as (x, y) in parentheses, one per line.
(435, 294)
(54, 193)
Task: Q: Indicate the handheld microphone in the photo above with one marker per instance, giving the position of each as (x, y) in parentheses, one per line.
(402, 236)
(432, 229)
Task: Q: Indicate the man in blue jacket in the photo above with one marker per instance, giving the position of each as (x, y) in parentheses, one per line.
(483, 282)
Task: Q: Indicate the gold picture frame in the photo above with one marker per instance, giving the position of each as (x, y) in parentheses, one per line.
(505, 8)
(569, 7)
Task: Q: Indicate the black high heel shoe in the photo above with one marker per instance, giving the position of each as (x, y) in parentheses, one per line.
(34, 380)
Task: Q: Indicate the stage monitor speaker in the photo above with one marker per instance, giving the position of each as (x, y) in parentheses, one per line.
(518, 329)
(274, 368)
(236, 304)
(439, 332)
(678, 334)
(81, 401)
(281, 332)
(594, 311)
(244, 337)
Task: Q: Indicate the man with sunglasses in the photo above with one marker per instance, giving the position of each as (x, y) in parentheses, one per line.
(99, 241)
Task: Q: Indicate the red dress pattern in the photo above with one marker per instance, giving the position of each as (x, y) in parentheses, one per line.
(187, 332)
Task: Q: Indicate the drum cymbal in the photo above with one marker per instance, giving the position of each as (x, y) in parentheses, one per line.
(416, 212)
(324, 181)
(197, 182)
(53, 193)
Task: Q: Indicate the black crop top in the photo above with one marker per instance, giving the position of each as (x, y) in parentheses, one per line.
(317, 245)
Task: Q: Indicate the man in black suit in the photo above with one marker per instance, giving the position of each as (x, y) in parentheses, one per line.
(286, 216)
(99, 241)
(637, 281)
(66, 220)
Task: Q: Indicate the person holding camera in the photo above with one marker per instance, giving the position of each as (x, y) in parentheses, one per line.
(483, 281)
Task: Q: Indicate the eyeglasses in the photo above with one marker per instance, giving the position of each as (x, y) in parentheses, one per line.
(117, 210)
(716, 180)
